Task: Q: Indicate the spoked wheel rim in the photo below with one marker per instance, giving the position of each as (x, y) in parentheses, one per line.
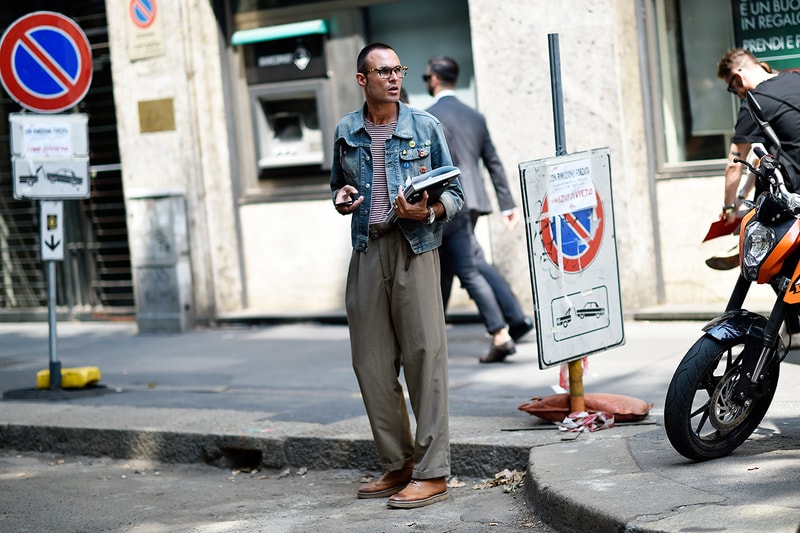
(712, 404)
(724, 413)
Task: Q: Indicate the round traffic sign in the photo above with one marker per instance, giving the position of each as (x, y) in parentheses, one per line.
(45, 62)
(576, 236)
(143, 12)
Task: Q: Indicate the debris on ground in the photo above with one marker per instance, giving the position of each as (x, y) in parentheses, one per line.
(509, 479)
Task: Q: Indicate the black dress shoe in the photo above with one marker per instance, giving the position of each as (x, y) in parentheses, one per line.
(517, 331)
(498, 354)
(723, 263)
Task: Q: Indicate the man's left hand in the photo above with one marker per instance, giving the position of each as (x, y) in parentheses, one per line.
(511, 219)
(417, 211)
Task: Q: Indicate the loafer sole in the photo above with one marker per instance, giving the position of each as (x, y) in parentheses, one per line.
(381, 493)
(413, 504)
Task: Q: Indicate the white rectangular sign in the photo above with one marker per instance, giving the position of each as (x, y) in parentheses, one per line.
(51, 179)
(51, 222)
(50, 156)
(569, 222)
(59, 136)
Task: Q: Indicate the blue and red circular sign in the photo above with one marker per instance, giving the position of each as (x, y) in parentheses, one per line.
(143, 12)
(576, 236)
(45, 62)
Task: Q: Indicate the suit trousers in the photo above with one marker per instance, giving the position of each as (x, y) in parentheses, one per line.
(396, 321)
(512, 310)
(458, 257)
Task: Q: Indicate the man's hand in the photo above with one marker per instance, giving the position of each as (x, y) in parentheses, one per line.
(511, 218)
(417, 211)
(345, 202)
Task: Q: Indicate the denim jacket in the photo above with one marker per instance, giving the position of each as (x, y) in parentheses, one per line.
(417, 145)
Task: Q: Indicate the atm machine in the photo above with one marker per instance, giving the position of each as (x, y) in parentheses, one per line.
(291, 99)
(289, 119)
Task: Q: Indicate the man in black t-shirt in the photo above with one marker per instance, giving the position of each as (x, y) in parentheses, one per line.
(778, 94)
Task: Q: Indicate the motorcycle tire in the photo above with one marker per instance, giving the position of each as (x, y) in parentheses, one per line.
(700, 419)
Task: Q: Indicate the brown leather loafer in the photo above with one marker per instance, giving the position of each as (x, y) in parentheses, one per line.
(389, 483)
(419, 493)
(498, 353)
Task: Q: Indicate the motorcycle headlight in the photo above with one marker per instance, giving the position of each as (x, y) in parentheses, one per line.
(758, 241)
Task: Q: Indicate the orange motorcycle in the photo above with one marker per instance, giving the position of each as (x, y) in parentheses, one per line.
(725, 383)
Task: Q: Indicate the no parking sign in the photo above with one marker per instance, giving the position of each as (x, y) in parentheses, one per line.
(569, 216)
(45, 62)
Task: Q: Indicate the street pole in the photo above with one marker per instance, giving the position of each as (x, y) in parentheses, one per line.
(55, 364)
(576, 401)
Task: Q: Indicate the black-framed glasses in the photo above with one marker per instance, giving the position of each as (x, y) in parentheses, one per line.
(731, 88)
(426, 78)
(386, 72)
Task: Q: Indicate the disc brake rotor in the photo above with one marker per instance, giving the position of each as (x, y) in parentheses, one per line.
(724, 413)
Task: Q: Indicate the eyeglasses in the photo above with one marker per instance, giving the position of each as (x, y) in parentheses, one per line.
(426, 78)
(731, 88)
(386, 72)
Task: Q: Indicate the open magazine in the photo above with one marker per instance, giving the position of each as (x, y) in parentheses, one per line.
(435, 182)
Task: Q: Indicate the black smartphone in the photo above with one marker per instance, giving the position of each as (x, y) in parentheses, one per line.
(345, 204)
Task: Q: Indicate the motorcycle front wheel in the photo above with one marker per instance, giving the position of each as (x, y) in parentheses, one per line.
(700, 417)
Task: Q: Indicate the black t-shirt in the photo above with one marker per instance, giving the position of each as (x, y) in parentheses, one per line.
(776, 96)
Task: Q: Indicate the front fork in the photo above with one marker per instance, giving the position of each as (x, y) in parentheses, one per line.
(761, 336)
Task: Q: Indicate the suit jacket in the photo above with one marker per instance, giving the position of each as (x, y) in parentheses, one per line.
(470, 143)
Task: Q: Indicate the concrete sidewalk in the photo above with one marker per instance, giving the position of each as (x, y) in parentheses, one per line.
(285, 395)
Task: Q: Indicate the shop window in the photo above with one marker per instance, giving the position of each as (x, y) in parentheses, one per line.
(697, 114)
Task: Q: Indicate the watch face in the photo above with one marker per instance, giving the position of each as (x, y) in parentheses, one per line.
(431, 215)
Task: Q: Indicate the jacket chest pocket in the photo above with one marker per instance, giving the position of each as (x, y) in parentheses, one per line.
(349, 159)
(415, 161)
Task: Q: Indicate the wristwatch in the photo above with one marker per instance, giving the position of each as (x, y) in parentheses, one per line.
(431, 216)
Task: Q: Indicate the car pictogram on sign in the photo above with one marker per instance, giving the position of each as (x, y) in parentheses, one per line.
(591, 309)
(564, 319)
(63, 175)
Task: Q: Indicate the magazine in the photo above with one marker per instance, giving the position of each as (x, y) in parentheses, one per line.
(435, 182)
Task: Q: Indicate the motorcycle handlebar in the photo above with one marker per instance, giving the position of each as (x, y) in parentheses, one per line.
(771, 171)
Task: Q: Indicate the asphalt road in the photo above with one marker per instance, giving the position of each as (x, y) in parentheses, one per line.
(46, 492)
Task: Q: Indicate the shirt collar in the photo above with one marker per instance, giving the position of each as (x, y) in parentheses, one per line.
(441, 94)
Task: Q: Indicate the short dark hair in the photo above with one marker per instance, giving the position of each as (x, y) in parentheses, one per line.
(361, 62)
(445, 68)
(733, 61)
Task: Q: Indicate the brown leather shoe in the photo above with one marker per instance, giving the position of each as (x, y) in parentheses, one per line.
(498, 353)
(419, 493)
(389, 483)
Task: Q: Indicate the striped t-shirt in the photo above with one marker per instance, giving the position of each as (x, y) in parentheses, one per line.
(379, 133)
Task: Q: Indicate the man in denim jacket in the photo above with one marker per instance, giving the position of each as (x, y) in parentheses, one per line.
(393, 299)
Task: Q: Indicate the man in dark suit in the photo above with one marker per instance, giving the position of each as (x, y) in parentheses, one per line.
(470, 144)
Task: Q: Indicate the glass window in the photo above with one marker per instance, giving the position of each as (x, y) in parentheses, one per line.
(697, 113)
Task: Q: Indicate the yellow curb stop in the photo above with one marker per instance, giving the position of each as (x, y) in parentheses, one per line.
(71, 378)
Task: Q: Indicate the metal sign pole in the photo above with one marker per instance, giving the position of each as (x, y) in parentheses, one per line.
(51, 221)
(55, 364)
(555, 90)
(576, 401)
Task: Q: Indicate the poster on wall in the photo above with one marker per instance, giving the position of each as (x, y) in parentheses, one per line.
(769, 30)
